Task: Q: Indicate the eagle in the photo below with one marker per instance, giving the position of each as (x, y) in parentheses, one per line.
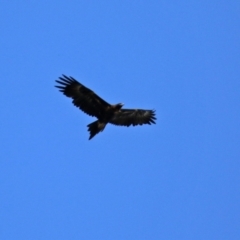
(90, 103)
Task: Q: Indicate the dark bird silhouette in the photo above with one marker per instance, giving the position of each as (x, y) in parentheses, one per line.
(90, 103)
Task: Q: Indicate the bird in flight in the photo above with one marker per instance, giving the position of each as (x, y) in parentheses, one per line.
(90, 103)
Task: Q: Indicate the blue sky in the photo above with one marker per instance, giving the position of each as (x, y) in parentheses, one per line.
(178, 179)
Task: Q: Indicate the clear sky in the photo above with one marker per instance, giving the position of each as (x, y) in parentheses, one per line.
(178, 179)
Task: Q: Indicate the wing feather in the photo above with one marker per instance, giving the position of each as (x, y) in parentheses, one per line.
(127, 117)
(83, 97)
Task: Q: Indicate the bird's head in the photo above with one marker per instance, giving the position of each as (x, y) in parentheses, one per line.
(119, 106)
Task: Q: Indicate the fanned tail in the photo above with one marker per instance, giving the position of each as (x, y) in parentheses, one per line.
(95, 127)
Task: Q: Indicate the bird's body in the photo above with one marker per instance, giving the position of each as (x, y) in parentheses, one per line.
(93, 105)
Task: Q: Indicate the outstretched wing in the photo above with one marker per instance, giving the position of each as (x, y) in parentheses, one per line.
(83, 97)
(127, 117)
